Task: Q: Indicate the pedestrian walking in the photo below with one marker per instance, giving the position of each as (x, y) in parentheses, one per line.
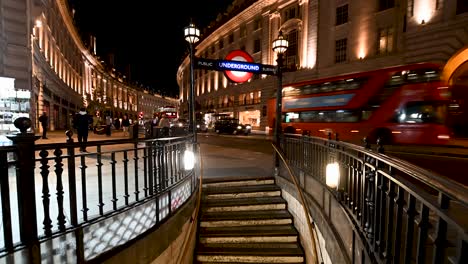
(44, 119)
(125, 125)
(154, 126)
(165, 125)
(108, 125)
(81, 124)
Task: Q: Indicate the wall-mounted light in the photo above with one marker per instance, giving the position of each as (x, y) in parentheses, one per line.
(332, 178)
(189, 159)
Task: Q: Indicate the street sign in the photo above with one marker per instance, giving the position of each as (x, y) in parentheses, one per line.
(236, 69)
(229, 65)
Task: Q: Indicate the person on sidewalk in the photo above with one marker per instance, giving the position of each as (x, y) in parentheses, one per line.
(44, 119)
(82, 122)
(108, 125)
(165, 124)
(125, 125)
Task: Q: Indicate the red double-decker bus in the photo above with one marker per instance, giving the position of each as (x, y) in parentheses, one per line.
(400, 105)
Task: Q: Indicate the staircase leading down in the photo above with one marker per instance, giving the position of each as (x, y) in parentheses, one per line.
(245, 220)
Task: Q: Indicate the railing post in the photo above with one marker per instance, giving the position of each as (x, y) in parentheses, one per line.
(25, 161)
(72, 196)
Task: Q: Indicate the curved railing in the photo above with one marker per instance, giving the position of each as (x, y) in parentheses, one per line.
(401, 213)
(57, 202)
(305, 206)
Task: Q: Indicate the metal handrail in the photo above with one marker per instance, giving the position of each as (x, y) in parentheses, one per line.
(381, 193)
(305, 207)
(161, 177)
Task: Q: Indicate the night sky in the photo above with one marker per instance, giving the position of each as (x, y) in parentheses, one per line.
(145, 36)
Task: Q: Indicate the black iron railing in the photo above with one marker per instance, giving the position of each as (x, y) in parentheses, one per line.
(75, 206)
(402, 213)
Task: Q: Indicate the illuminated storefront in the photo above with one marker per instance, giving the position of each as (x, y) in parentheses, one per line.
(13, 104)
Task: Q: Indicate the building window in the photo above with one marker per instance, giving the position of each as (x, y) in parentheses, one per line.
(221, 44)
(243, 31)
(341, 15)
(256, 46)
(257, 24)
(291, 12)
(385, 40)
(386, 4)
(462, 6)
(410, 8)
(292, 52)
(340, 50)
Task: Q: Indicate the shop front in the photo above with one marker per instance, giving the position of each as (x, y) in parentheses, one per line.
(13, 104)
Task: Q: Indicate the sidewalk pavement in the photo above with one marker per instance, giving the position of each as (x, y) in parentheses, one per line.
(58, 136)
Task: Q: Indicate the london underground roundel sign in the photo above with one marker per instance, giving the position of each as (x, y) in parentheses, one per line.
(239, 76)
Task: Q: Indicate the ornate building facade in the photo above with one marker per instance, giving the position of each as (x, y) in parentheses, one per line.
(45, 67)
(326, 38)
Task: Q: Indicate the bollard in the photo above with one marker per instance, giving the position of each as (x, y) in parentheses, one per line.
(25, 158)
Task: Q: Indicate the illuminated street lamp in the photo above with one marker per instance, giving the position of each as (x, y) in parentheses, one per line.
(192, 35)
(280, 45)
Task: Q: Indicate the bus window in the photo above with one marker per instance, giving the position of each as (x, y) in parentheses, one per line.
(291, 117)
(423, 112)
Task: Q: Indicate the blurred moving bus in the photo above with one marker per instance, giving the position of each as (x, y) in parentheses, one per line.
(169, 111)
(400, 105)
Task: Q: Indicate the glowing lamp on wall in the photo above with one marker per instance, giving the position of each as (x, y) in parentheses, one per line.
(189, 160)
(332, 175)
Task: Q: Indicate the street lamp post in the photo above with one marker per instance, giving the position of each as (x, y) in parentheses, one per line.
(192, 35)
(280, 45)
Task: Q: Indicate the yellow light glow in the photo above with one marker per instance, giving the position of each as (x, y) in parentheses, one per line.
(423, 10)
(354, 131)
(396, 132)
(38, 23)
(361, 51)
(332, 175)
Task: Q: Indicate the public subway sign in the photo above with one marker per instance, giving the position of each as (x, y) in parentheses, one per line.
(238, 66)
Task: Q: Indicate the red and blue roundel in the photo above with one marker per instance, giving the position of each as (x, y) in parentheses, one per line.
(239, 76)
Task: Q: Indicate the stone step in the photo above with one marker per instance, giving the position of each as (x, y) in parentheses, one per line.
(268, 190)
(238, 262)
(237, 181)
(245, 218)
(249, 234)
(244, 204)
(251, 253)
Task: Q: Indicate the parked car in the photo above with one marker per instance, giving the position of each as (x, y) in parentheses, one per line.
(231, 126)
(201, 126)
